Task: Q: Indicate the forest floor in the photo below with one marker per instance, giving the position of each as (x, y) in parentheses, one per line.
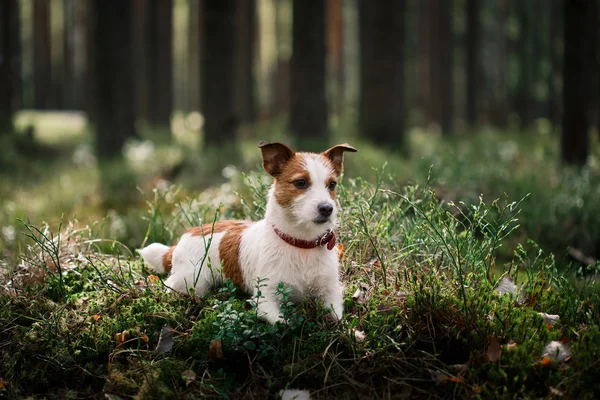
(470, 271)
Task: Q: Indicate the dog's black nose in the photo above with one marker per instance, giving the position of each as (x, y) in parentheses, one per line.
(325, 209)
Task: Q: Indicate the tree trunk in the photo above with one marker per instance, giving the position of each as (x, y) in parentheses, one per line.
(308, 105)
(440, 56)
(244, 64)
(556, 27)
(41, 55)
(523, 100)
(10, 59)
(159, 30)
(381, 37)
(113, 75)
(424, 62)
(473, 61)
(576, 91)
(217, 71)
(335, 51)
(594, 54)
(193, 94)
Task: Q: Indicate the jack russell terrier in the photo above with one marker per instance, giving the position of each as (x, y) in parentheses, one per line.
(293, 244)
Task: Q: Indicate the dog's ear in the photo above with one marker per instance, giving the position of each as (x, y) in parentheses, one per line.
(275, 156)
(336, 155)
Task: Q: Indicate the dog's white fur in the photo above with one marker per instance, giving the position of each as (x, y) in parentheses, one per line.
(263, 254)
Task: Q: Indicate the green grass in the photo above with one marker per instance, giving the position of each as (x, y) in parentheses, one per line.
(81, 316)
(426, 243)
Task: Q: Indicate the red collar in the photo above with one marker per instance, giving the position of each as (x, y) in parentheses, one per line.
(327, 239)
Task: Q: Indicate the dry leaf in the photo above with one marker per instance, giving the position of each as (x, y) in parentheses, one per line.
(494, 350)
(359, 296)
(3, 384)
(216, 349)
(97, 317)
(340, 248)
(556, 392)
(383, 309)
(360, 336)
(294, 394)
(556, 351)
(120, 338)
(550, 319)
(188, 376)
(165, 340)
(153, 279)
(546, 361)
(506, 285)
(455, 379)
(511, 345)
(144, 338)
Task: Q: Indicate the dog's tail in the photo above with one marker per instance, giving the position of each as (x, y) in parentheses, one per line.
(158, 256)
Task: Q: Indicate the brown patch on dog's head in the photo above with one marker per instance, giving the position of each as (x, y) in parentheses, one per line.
(335, 155)
(275, 156)
(229, 253)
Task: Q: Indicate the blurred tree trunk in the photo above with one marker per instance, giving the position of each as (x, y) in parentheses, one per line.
(159, 36)
(381, 107)
(577, 73)
(523, 100)
(308, 105)
(42, 62)
(140, 59)
(90, 55)
(113, 75)
(69, 84)
(335, 51)
(594, 54)
(473, 61)
(10, 59)
(424, 61)
(217, 71)
(556, 28)
(244, 60)
(440, 63)
(194, 56)
(500, 110)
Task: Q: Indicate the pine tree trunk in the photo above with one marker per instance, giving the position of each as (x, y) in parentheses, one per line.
(159, 30)
(217, 71)
(42, 62)
(9, 63)
(193, 94)
(335, 51)
(523, 101)
(473, 61)
(441, 95)
(308, 104)
(244, 64)
(381, 37)
(113, 75)
(576, 90)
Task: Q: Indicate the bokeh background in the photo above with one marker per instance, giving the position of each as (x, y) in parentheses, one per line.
(105, 104)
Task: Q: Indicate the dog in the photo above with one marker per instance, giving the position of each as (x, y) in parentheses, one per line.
(293, 244)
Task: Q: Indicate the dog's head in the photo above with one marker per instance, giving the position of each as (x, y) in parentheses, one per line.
(304, 188)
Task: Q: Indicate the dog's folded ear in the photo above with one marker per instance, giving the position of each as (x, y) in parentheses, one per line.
(274, 156)
(336, 155)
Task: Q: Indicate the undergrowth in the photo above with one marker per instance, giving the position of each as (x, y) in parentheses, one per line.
(427, 312)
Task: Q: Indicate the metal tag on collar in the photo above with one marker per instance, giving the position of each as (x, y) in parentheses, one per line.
(325, 238)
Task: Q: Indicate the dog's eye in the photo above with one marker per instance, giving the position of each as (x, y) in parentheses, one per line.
(300, 183)
(332, 185)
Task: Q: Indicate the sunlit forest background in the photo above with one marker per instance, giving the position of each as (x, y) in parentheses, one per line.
(469, 236)
(103, 102)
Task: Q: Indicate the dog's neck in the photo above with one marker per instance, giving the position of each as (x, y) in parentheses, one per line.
(279, 217)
